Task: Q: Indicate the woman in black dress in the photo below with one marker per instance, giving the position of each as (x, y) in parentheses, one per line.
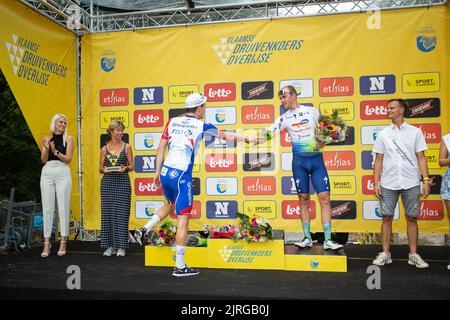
(116, 160)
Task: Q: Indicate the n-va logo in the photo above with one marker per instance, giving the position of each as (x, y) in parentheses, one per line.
(212, 142)
(221, 209)
(367, 160)
(377, 84)
(108, 60)
(148, 95)
(145, 164)
(426, 39)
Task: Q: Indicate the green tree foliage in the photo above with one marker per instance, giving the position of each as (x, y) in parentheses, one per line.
(20, 156)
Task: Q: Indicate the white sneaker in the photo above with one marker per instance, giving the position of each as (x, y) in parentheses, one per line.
(306, 242)
(330, 244)
(121, 252)
(416, 260)
(109, 252)
(382, 259)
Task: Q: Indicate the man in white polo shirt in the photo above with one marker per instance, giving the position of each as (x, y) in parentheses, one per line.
(399, 150)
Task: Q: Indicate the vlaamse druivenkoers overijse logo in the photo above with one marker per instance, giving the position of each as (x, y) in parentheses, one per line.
(27, 64)
(245, 49)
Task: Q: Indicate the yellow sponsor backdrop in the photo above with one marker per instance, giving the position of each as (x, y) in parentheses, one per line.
(183, 59)
(37, 58)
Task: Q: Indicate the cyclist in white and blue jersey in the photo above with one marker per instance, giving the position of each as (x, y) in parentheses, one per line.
(182, 136)
(307, 161)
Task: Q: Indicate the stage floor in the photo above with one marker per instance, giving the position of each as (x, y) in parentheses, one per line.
(27, 276)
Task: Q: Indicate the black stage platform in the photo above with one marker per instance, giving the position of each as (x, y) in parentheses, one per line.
(27, 276)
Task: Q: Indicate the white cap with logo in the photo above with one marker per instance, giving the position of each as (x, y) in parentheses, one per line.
(195, 100)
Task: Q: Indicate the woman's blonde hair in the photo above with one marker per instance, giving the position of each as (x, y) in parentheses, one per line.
(53, 123)
(115, 124)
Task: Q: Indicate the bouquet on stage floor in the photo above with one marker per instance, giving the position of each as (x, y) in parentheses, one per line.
(331, 128)
(224, 232)
(164, 235)
(253, 229)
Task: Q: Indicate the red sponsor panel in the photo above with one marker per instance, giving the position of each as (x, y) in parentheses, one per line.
(145, 187)
(258, 114)
(335, 87)
(114, 97)
(148, 118)
(220, 92)
(259, 185)
(368, 185)
(221, 162)
(431, 131)
(339, 160)
(285, 139)
(291, 209)
(373, 110)
(195, 212)
(431, 210)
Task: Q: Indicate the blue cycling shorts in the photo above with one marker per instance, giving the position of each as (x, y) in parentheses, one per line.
(177, 188)
(304, 166)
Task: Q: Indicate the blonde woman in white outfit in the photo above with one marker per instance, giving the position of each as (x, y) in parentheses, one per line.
(57, 150)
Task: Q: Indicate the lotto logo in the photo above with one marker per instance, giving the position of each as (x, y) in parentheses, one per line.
(374, 110)
(221, 162)
(368, 185)
(148, 118)
(291, 209)
(220, 92)
(146, 187)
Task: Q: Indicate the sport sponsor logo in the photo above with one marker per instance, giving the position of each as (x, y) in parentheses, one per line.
(346, 109)
(146, 141)
(334, 87)
(369, 134)
(431, 210)
(377, 84)
(372, 210)
(367, 160)
(349, 138)
(343, 185)
(265, 209)
(258, 114)
(421, 82)
(196, 211)
(148, 95)
(216, 92)
(212, 142)
(217, 209)
(431, 131)
(374, 110)
(223, 162)
(148, 118)
(258, 90)
(339, 160)
(104, 138)
(288, 186)
(221, 186)
(258, 162)
(343, 210)
(178, 94)
(432, 156)
(114, 97)
(220, 115)
(107, 116)
(259, 185)
(290, 209)
(145, 164)
(147, 209)
(368, 185)
(304, 87)
(146, 187)
(305, 104)
(423, 108)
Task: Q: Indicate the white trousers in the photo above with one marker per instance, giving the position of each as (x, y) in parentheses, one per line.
(56, 180)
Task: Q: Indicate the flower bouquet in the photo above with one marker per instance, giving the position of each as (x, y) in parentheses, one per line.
(253, 229)
(331, 128)
(164, 235)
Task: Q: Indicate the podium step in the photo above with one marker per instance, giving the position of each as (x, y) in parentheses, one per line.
(314, 259)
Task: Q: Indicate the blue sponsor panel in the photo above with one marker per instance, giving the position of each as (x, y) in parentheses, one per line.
(288, 186)
(145, 164)
(377, 84)
(221, 209)
(367, 160)
(148, 95)
(212, 142)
